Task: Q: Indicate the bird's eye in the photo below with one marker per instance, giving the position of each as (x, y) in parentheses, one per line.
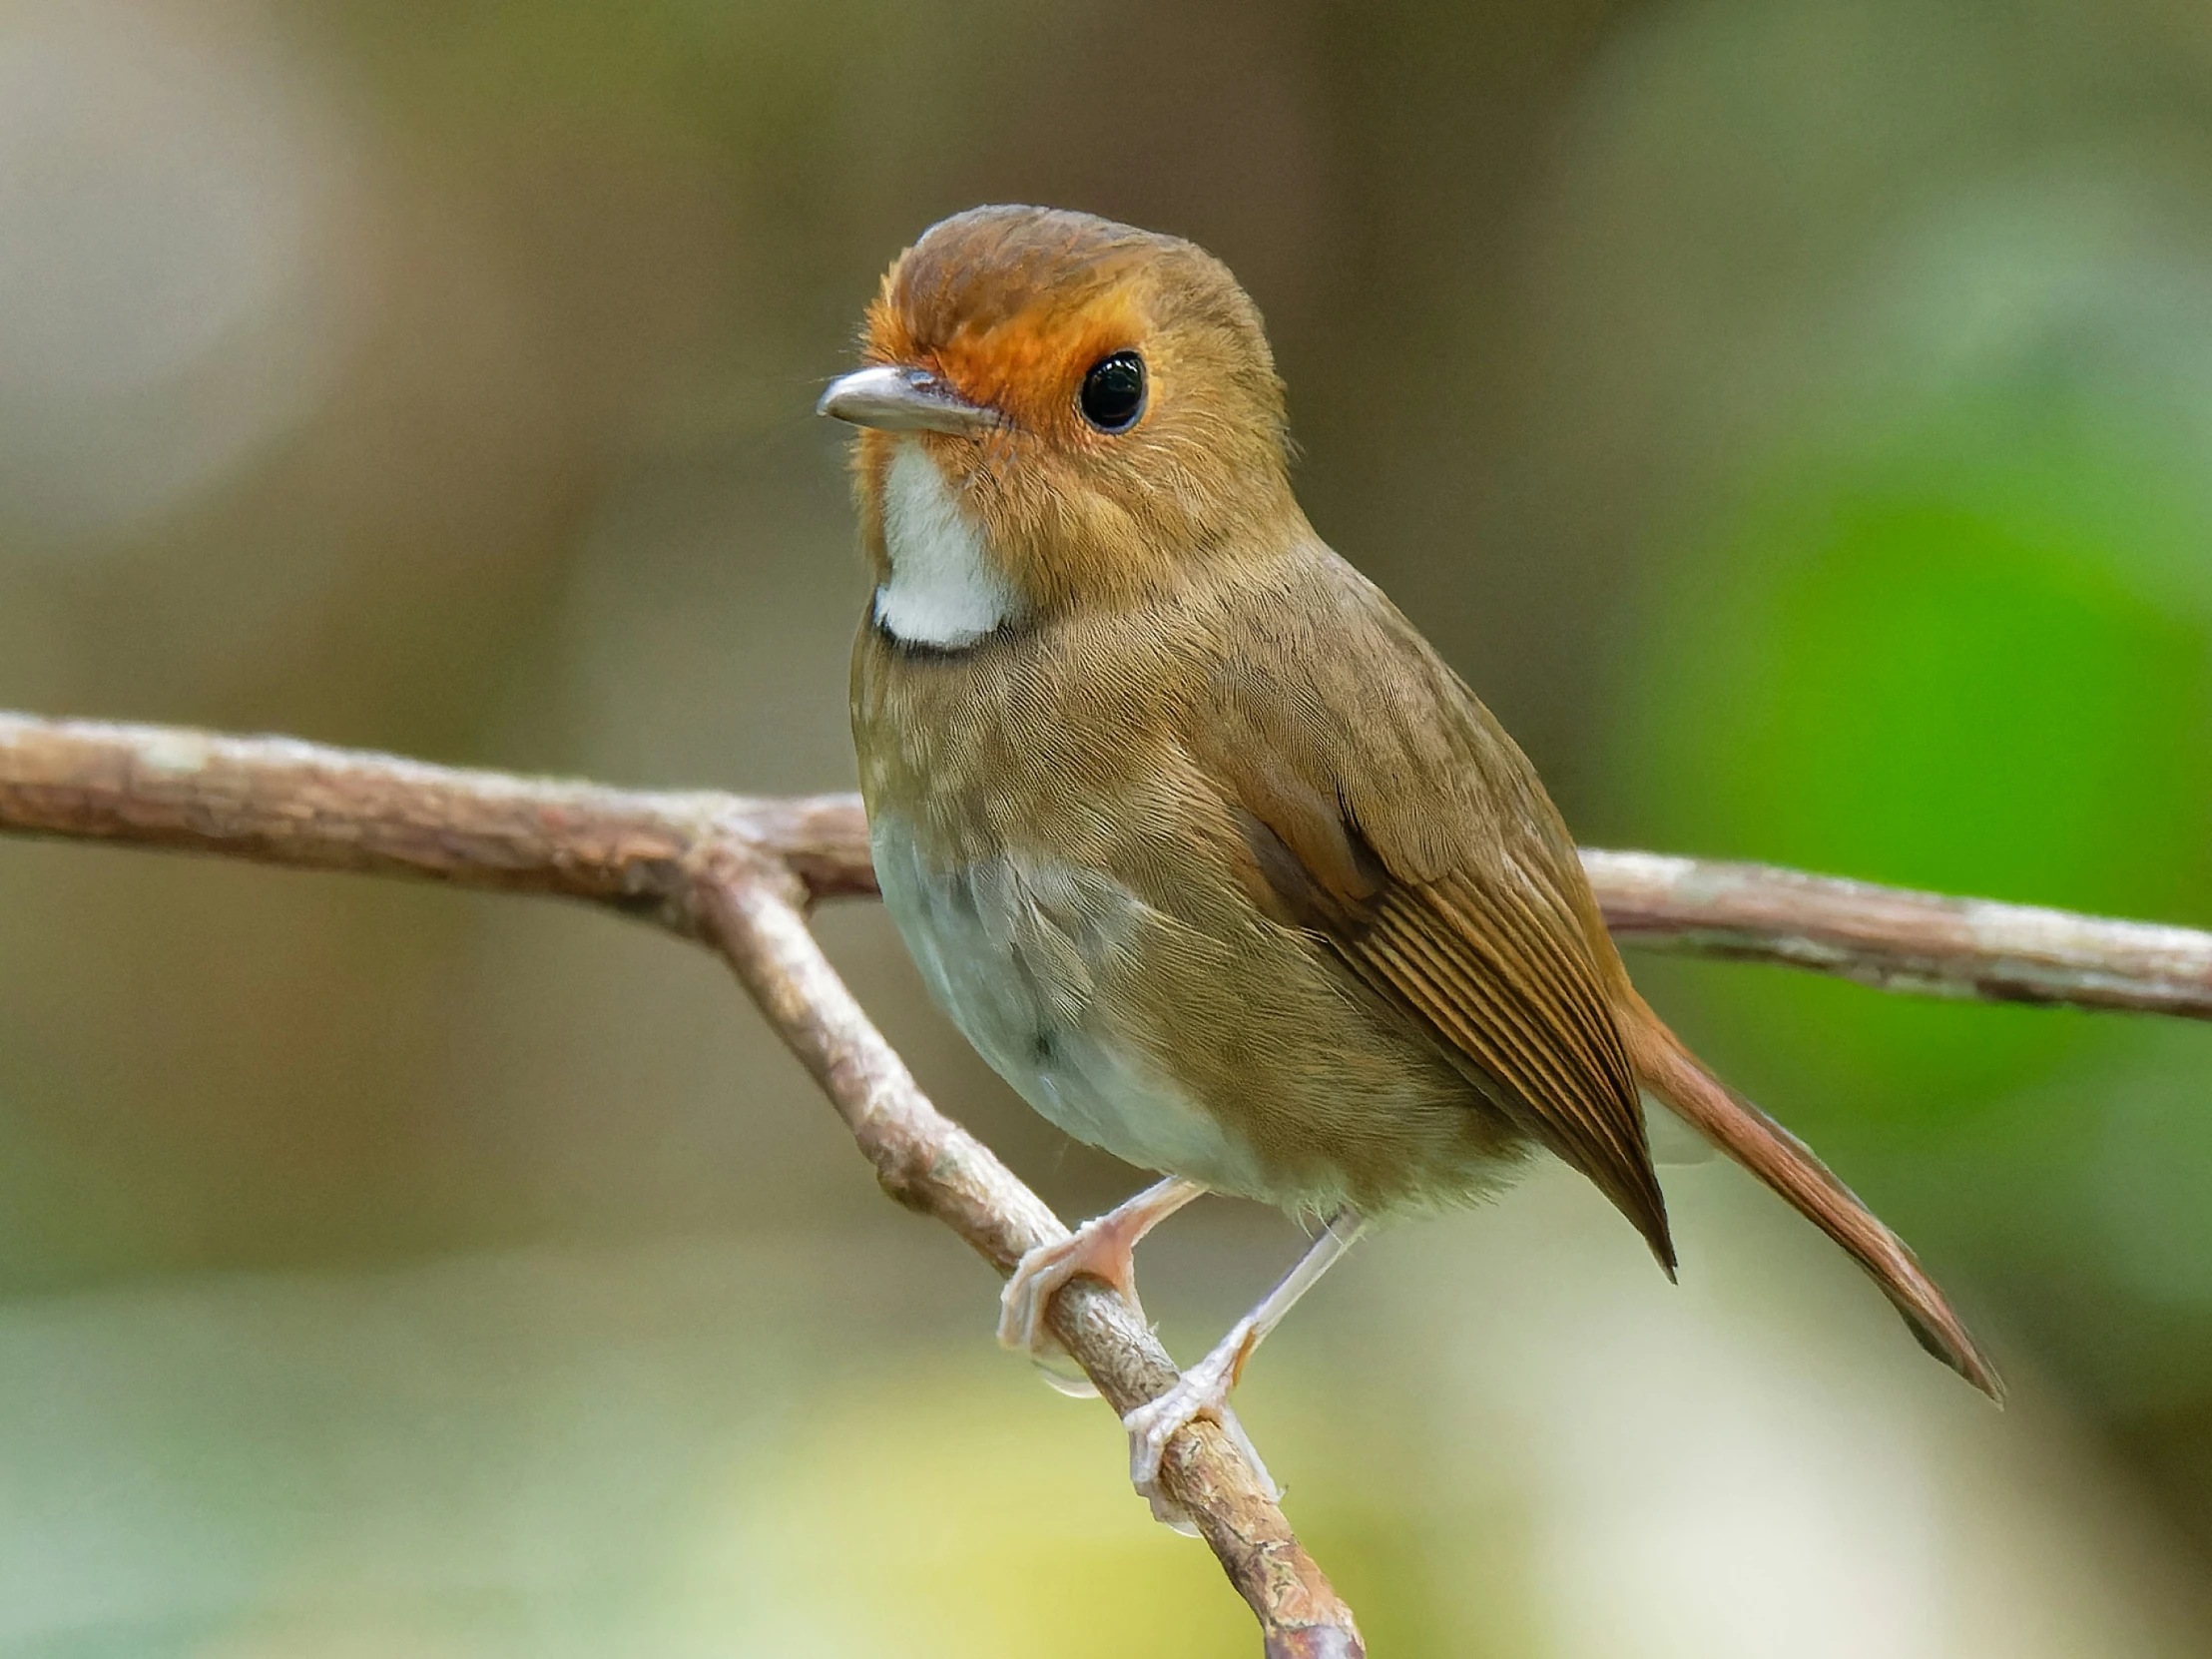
(1113, 392)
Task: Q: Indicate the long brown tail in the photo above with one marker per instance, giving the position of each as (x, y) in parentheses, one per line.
(1664, 1066)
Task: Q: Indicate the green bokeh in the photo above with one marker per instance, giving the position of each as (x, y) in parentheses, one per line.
(1950, 666)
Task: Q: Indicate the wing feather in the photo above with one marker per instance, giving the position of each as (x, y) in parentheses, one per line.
(1391, 816)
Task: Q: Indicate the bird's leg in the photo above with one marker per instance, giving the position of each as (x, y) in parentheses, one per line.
(1101, 1247)
(1203, 1389)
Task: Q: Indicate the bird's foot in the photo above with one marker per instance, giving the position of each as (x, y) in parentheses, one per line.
(1202, 1391)
(1102, 1246)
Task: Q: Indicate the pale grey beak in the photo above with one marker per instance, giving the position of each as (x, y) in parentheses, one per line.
(897, 400)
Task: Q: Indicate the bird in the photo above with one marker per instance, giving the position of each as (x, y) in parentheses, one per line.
(1195, 839)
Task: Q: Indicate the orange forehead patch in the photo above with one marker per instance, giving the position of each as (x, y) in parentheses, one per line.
(1027, 364)
(983, 269)
(1012, 304)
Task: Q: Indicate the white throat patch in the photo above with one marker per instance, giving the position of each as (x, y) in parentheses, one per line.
(943, 590)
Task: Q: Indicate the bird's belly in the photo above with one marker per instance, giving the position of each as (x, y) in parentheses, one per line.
(1015, 952)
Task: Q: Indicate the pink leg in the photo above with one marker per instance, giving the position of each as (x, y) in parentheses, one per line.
(1101, 1247)
(1204, 1390)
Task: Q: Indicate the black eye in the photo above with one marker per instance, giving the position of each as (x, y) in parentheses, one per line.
(1113, 392)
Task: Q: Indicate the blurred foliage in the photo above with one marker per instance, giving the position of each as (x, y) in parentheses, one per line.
(1901, 678)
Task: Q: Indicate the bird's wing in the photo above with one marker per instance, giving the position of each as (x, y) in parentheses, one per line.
(1387, 812)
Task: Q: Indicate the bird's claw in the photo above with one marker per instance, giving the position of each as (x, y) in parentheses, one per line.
(1201, 1391)
(1097, 1247)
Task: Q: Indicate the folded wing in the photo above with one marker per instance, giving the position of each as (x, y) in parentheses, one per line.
(1388, 813)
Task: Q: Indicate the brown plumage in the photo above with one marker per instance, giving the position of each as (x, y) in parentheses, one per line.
(1195, 835)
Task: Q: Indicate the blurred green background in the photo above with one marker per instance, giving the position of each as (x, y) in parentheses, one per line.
(1795, 417)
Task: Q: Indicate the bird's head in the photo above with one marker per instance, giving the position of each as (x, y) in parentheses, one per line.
(1057, 411)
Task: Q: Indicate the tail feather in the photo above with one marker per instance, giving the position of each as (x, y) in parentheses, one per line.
(1664, 1066)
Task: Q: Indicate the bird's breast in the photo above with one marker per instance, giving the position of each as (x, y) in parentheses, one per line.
(1028, 954)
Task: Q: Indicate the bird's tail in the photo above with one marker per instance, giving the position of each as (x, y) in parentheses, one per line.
(1669, 1070)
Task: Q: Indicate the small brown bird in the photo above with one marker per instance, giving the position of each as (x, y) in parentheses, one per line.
(1194, 836)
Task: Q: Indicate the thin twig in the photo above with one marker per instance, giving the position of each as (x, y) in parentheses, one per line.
(929, 1163)
(737, 871)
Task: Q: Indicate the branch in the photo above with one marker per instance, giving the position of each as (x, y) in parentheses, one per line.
(736, 873)
(1895, 939)
(282, 802)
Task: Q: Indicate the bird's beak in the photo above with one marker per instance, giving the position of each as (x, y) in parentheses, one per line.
(897, 400)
